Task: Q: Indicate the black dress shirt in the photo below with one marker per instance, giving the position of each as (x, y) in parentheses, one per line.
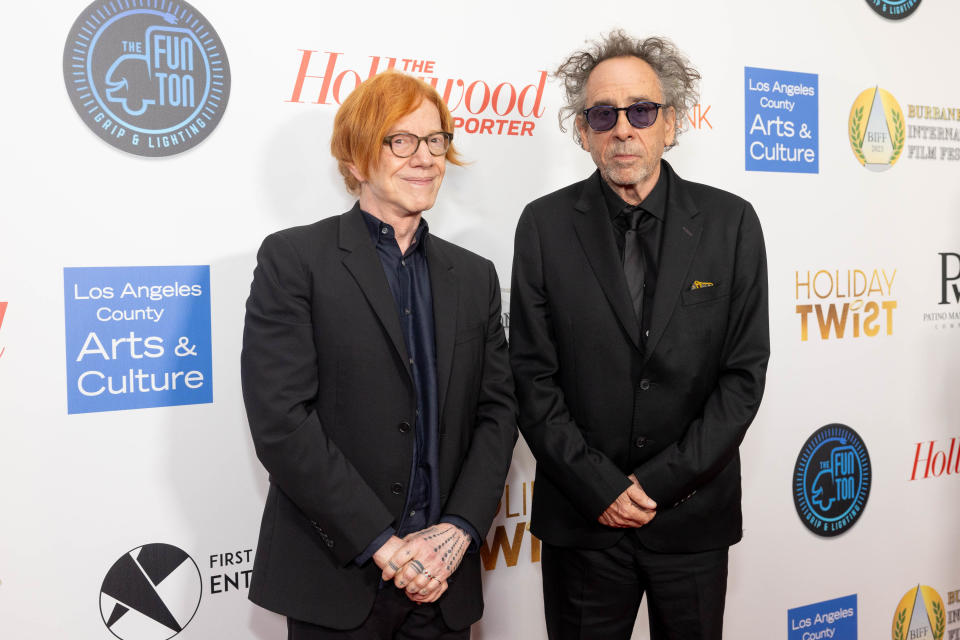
(408, 277)
(650, 231)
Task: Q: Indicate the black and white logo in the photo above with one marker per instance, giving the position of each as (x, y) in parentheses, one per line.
(150, 593)
(150, 77)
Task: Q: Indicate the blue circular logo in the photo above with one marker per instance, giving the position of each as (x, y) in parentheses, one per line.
(150, 77)
(894, 9)
(831, 480)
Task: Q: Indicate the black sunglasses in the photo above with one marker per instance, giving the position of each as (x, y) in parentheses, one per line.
(604, 117)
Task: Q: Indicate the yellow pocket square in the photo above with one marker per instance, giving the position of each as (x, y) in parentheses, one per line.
(697, 284)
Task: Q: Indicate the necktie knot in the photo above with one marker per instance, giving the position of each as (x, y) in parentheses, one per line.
(630, 218)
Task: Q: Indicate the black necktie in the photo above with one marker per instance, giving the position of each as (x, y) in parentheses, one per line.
(633, 263)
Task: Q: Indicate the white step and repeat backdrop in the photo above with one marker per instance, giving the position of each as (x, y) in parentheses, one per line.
(150, 145)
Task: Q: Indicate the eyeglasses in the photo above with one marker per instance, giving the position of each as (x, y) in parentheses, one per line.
(404, 145)
(604, 117)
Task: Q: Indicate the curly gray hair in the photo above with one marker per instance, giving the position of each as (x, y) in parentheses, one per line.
(679, 81)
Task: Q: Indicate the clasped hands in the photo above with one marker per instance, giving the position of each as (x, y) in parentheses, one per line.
(632, 509)
(421, 562)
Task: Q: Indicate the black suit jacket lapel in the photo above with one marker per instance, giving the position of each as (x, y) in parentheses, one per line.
(364, 265)
(443, 287)
(681, 235)
(596, 236)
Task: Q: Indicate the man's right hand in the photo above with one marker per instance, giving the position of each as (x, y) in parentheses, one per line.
(632, 509)
(382, 556)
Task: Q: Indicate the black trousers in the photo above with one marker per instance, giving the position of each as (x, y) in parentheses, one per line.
(595, 593)
(393, 617)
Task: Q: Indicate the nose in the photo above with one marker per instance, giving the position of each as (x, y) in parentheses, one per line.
(422, 156)
(622, 130)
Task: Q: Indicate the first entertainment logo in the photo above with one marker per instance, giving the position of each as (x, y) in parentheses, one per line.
(148, 76)
(151, 592)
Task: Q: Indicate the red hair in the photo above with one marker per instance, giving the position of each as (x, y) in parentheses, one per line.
(370, 111)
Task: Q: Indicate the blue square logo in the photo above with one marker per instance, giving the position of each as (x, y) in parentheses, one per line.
(834, 619)
(137, 337)
(782, 121)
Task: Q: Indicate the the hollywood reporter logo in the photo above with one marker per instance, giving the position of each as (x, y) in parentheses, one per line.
(933, 459)
(843, 304)
(478, 106)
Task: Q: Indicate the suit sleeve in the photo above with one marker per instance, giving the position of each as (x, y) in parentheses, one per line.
(479, 486)
(712, 439)
(280, 383)
(584, 474)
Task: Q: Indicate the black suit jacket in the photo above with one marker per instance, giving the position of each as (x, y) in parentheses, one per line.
(582, 371)
(330, 400)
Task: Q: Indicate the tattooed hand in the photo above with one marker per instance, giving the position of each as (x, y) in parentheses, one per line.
(385, 553)
(427, 558)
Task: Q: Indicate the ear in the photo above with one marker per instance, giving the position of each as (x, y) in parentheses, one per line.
(670, 124)
(581, 124)
(359, 177)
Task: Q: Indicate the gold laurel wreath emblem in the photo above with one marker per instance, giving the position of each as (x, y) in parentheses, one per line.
(899, 632)
(940, 622)
(898, 138)
(931, 600)
(856, 140)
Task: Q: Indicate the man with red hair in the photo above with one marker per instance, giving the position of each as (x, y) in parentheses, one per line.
(378, 391)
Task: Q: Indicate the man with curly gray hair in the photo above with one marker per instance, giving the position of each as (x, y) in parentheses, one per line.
(639, 343)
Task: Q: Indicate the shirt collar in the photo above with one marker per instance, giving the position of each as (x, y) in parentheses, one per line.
(380, 230)
(655, 203)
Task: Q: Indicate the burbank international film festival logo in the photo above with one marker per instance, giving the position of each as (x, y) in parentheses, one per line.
(150, 77)
(921, 615)
(894, 9)
(880, 135)
(151, 592)
(831, 480)
(876, 129)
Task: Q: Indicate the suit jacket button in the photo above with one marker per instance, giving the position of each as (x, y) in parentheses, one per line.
(644, 384)
(396, 488)
(640, 443)
(329, 543)
(404, 426)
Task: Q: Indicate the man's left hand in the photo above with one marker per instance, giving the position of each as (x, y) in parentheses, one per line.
(427, 558)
